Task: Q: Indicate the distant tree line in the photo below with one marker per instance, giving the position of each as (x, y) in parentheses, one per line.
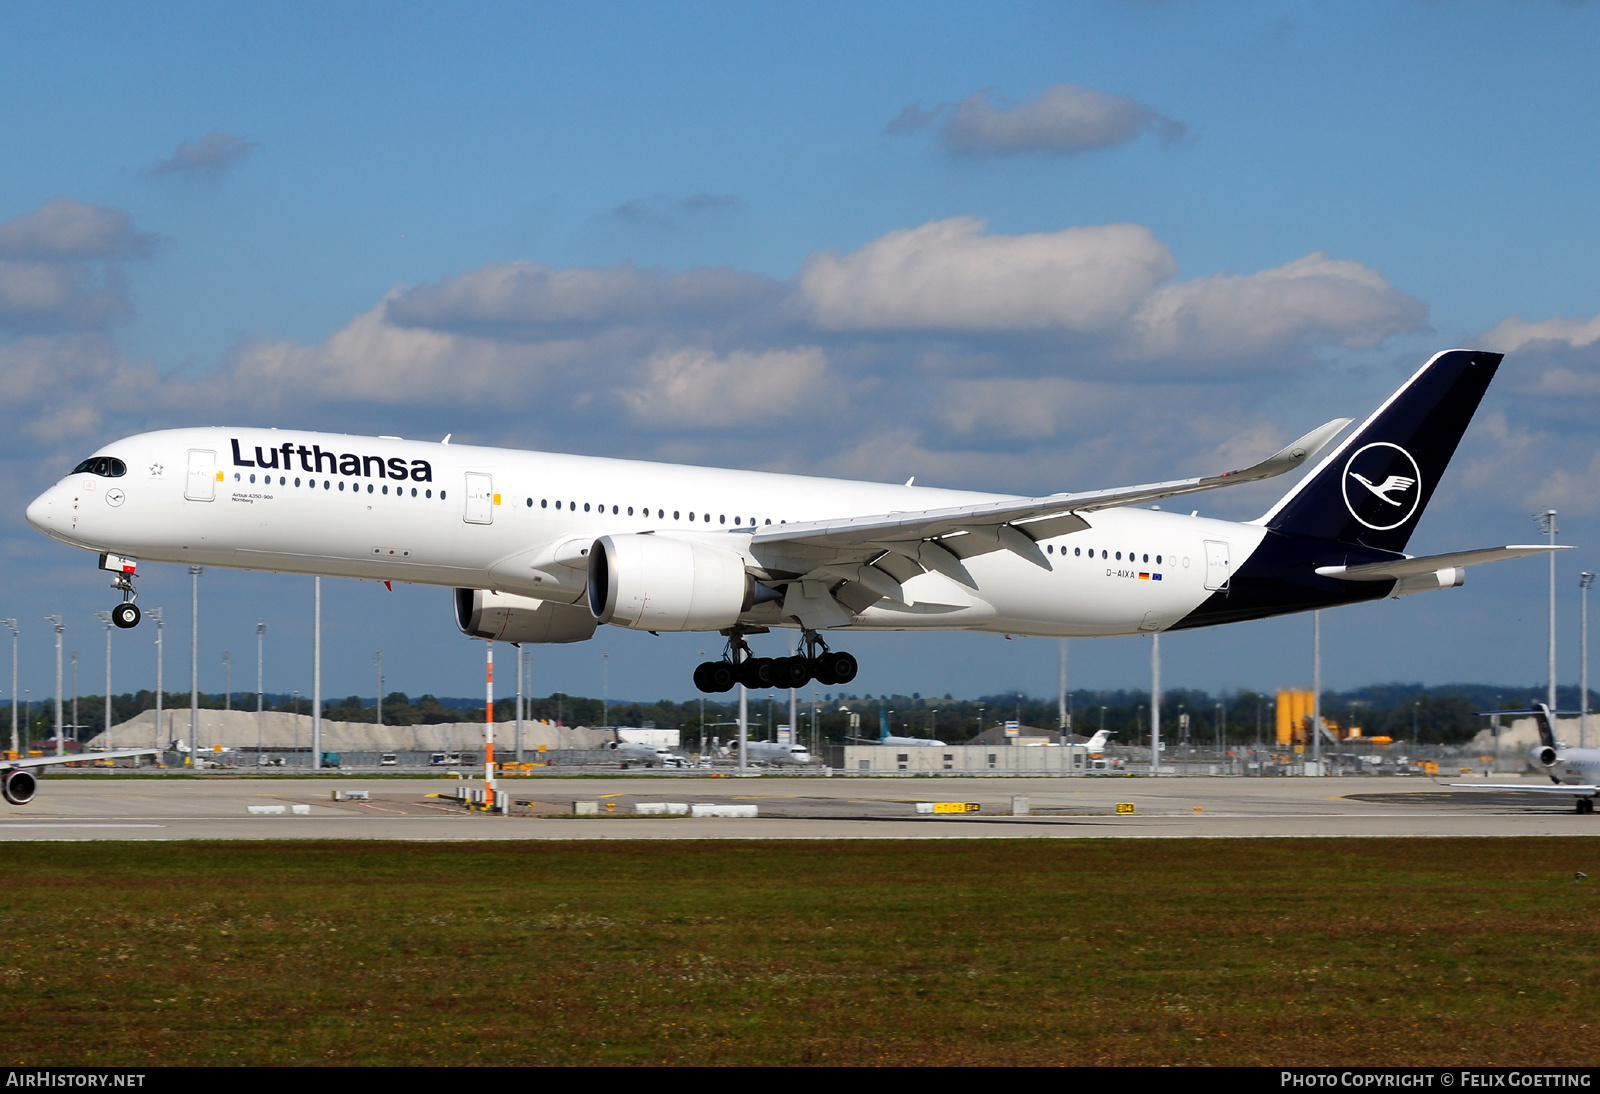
(1447, 714)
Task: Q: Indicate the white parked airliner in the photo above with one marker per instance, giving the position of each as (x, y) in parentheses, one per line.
(542, 547)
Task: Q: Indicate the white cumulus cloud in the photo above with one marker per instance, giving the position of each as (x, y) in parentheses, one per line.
(950, 275)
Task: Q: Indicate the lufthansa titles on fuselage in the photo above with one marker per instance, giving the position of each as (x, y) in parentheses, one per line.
(342, 463)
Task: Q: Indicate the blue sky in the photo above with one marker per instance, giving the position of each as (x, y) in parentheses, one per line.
(1145, 239)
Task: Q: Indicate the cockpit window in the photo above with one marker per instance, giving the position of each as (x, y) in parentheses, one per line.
(104, 466)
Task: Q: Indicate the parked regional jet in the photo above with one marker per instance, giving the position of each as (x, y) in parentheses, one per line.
(888, 740)
(632, 752)
(775, 753)
(542, 547)
(18, 783)
(1573, 771)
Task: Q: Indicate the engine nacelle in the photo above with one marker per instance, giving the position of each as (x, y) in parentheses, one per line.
(656, 583)
(503, 617)
(1542, 756)
(20, 786)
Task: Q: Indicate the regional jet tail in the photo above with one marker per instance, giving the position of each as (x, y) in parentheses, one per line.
(1573, 771)
(888, 740)
(543, 547)
(19, 783)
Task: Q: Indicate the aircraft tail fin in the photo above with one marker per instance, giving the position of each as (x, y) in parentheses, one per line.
(1371, 489)
(883, 722)
(1547, 727)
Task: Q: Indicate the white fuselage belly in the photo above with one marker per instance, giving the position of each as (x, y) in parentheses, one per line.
(379, 527)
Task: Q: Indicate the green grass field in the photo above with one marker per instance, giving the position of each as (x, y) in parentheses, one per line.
(996, 952)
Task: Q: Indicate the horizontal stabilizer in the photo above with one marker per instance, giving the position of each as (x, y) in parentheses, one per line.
(1427, 564)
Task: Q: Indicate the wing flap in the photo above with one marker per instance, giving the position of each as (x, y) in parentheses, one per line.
(79, 757)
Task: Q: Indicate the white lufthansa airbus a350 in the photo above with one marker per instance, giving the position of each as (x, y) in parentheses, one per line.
(543, 548)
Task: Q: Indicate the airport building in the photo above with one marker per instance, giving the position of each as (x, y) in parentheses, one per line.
(981, 759)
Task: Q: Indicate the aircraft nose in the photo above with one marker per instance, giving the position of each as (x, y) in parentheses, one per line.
(41, 511)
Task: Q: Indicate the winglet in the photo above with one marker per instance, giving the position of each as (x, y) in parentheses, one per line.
(1291, 455)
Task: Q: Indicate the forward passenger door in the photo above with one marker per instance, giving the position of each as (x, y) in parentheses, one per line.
(480, 498)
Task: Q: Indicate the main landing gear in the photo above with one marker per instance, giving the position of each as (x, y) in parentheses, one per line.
(738, 666)
(126, 614)
(1586, 805)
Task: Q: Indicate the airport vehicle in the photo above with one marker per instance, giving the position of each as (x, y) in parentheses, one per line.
(544, 548)
(388, 759)
(19, 784)
(1572, 771)
(444, 759)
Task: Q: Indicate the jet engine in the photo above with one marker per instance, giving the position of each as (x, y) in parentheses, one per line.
(656, 583)
(20, 785)
(503, 617)
(1542, 756)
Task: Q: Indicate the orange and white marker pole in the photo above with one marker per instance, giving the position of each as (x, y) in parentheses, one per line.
(488, 727)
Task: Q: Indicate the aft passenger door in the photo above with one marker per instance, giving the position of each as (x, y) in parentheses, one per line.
(1218, 570)
(201, 484)
(480, 498)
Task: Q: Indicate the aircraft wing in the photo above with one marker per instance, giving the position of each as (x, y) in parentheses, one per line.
(1427, 564)
(938, 539)
(43, 761)
(1576, 788)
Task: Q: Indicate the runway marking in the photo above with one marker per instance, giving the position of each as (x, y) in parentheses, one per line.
(6, 825)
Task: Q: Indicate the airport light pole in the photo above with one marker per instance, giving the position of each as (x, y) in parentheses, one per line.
(316, 674)
(605, 689)
(227, 676)
(261, 630)
(378, 660)
(155, 614)
(105, 617)
(194, 661)
(56, 622)
(1062, 721)
(488, 725)
(1316, 690)
(16, 744)
(1585, 579)
(522, 674)
(1155, 703)
(74, 696)
(1549, 522)
(744, 725)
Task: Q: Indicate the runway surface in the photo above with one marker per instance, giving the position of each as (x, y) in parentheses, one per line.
(88, 807)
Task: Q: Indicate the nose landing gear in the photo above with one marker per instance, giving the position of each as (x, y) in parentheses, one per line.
(739, 666)
(126, 614)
